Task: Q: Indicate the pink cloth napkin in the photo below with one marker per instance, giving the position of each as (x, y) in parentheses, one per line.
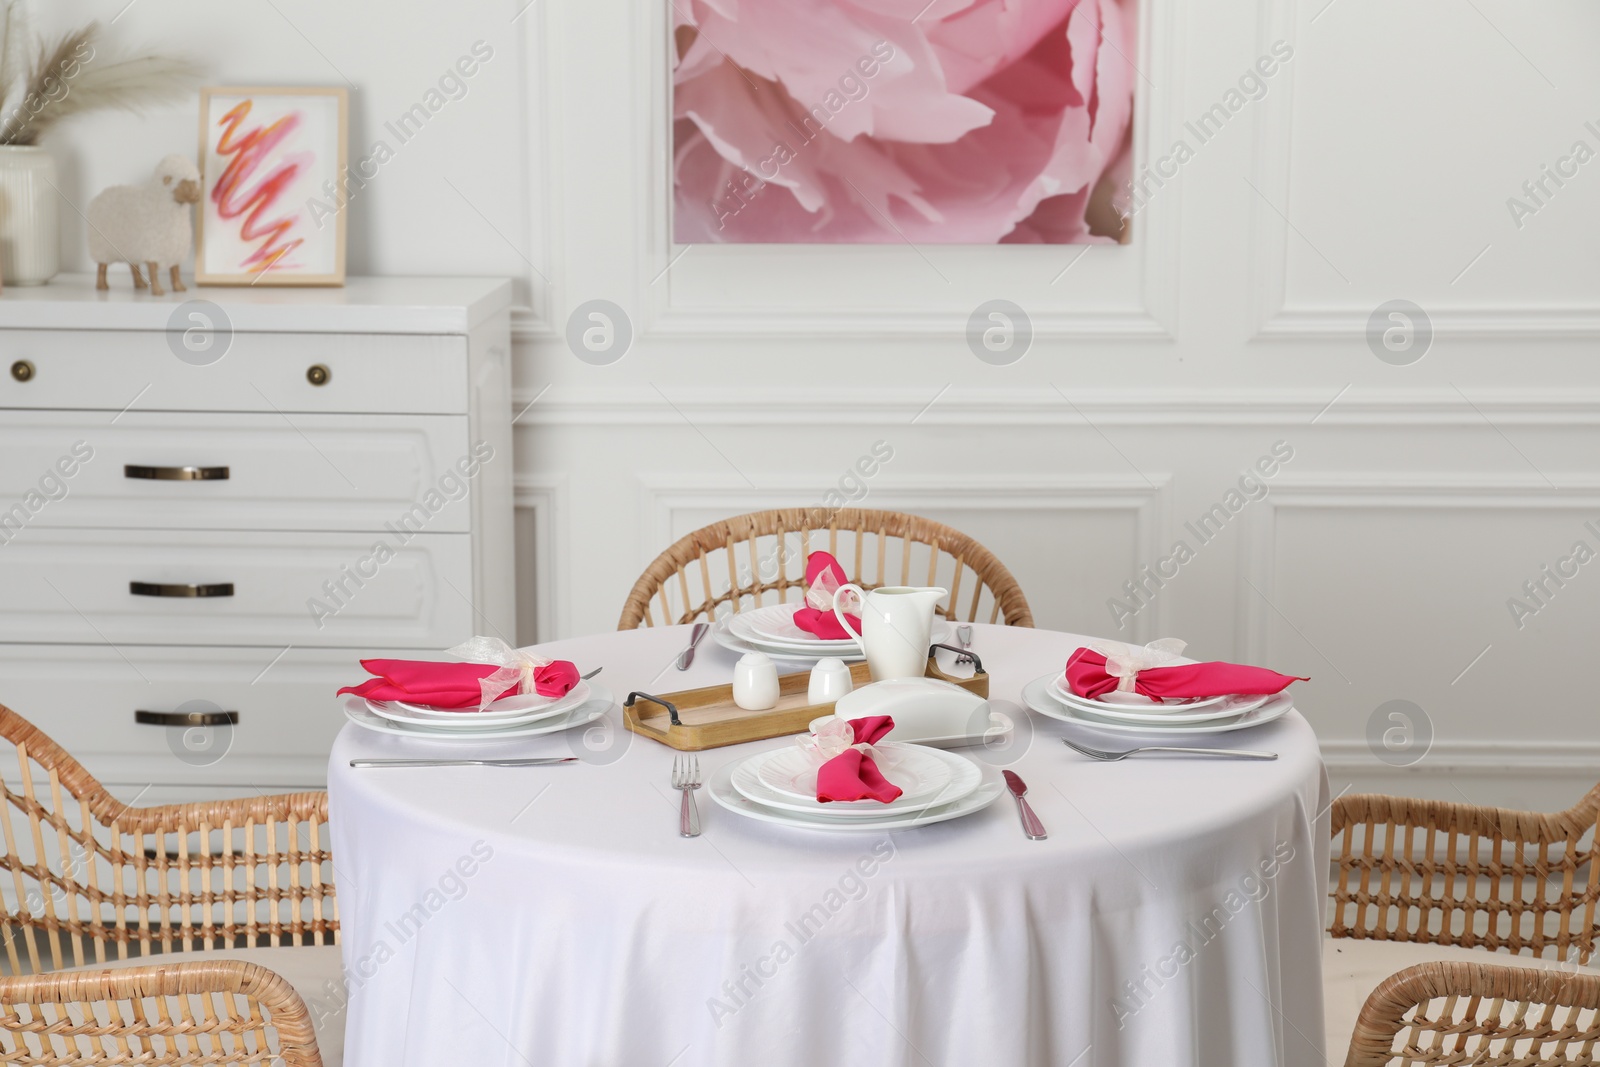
(1087, 677)
(819, 621)
(853, 775)
(451, 686)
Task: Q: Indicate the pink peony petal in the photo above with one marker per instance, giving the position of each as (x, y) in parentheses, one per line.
(893, 161)
(923, 12)
(1115, 74)
(770, 142)
(974, 44)
(871, 74)
(1083, 39)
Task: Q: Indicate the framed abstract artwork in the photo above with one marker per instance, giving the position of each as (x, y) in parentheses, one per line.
(902, 121)
(273, 162)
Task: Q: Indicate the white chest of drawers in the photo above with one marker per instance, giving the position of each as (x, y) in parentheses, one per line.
(212, 503)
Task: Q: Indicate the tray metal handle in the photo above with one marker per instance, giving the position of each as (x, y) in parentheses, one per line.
(672, 709)
(977, 664)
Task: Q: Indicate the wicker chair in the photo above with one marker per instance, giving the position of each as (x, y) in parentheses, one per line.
(91, 881)
(1465, 1013)
(1451, 877)
(190, 1013)
(774, 546)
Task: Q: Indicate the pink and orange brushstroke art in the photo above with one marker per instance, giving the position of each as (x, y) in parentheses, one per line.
(249, 151)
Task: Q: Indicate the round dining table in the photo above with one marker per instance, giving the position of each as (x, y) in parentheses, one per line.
(554, 916)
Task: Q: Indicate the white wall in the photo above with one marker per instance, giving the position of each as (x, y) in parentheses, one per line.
(1376, 166)
(408, 220)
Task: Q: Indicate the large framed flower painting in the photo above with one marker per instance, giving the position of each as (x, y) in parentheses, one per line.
(895, 121)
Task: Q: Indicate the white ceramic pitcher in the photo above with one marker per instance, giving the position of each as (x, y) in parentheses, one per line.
(896, 625)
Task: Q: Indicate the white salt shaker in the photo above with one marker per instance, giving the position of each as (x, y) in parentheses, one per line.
(830, 680)
(755, 682)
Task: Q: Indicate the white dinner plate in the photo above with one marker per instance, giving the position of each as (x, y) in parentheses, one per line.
(775, 623)
(725, 795)
(1131, 701)
(804, 657)
(510, 706)
(599, 702)
(1037, 696)
(1166, 720)
(720, 634)
(964, 777)
(792, 648)
(1174, 715)
(507, 711)
(789, 774)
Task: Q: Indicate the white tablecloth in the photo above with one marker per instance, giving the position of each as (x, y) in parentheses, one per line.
(553, 916)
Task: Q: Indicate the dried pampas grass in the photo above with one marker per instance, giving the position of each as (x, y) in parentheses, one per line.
(76, 75)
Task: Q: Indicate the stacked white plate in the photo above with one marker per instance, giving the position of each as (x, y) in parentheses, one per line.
(524, 715)
(780, 787)
(1131, 713)
(772, 630)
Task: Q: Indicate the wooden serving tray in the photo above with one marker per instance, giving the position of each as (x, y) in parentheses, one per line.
(708, 717)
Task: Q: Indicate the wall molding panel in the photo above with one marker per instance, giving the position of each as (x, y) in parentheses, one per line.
(1324, 406)
(1273, 234)
(1507, 759)
(1377, 492)
(1536, 776)
(545, 497)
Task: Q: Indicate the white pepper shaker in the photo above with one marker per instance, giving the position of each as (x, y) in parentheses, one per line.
(755, 682)
(830, 680)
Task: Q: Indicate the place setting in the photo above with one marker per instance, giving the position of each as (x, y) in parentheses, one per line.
(493, 693)
(817, 629)
(843, 777)
(1154, 692)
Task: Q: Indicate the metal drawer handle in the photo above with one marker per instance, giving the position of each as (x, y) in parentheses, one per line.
(179, 590)
(22, 370)
(176, 474)
(186, 718)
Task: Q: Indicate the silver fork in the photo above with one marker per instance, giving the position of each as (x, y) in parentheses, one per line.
(964, 638)
(686, 779)
(1112, 757)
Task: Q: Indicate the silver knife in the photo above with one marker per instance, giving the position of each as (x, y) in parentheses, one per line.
(686, 657)
(1030, 822)
(545, 762)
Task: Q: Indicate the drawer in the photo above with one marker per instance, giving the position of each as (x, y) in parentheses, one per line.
(262, 472)
(85, 698)
(137, 369)
(300, 589)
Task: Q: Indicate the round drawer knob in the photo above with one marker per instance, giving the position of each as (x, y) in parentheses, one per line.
(22, 370)
(317, 374)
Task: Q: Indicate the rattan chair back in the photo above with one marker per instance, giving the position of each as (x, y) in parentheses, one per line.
(1440, 873)
(89, 878)
(754, 560)
(213, 1012)
(1438, 1014)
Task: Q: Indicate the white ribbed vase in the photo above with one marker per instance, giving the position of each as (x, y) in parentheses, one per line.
(30, 233)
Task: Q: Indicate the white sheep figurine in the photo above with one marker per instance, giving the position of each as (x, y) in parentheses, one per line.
(150, 224)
